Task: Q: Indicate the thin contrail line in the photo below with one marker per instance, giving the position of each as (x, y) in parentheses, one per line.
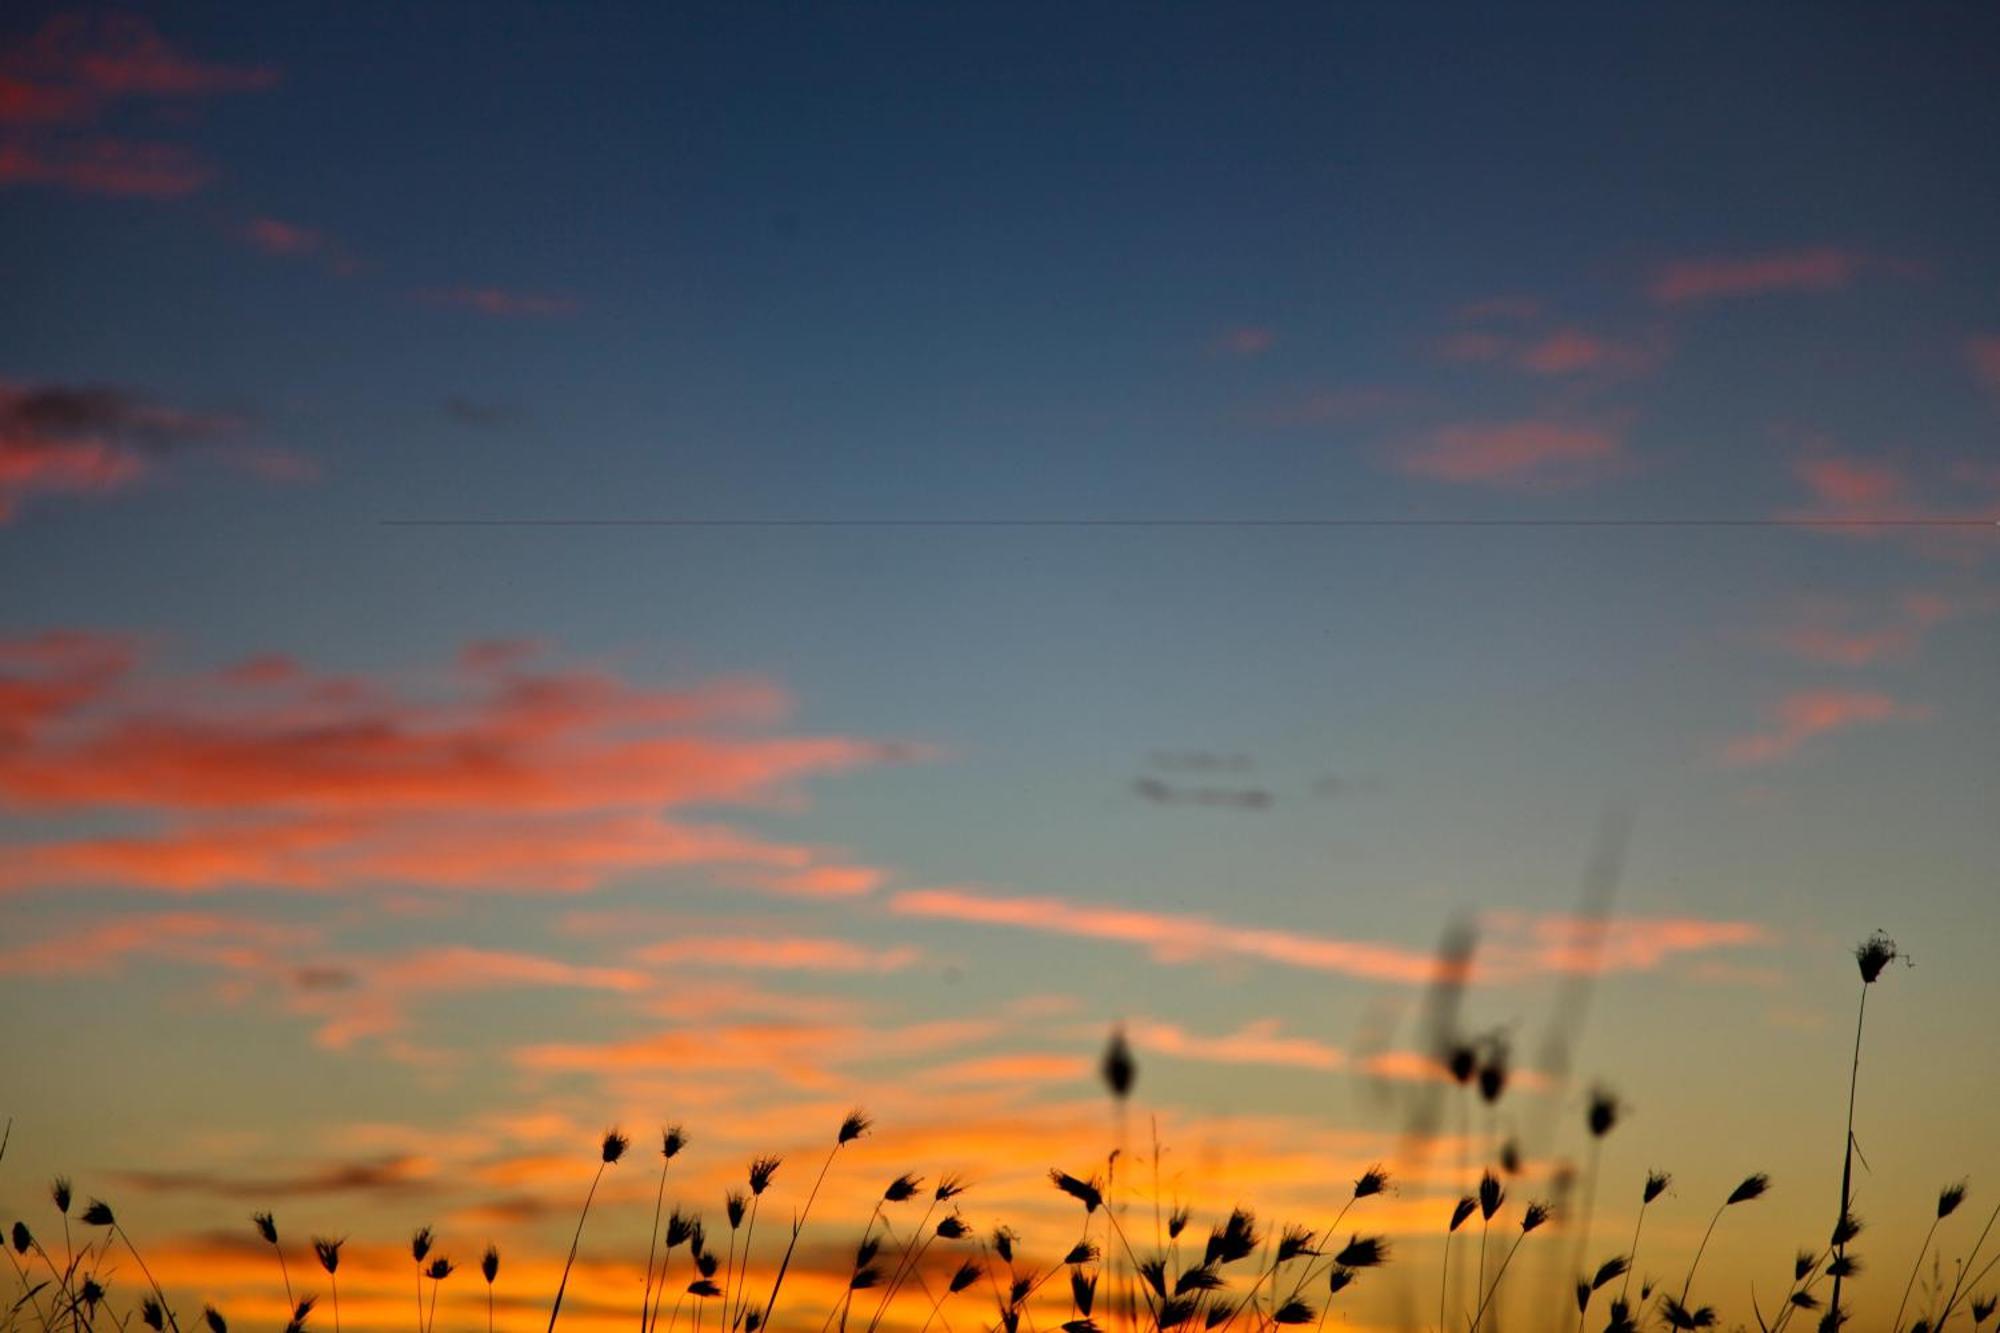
(1967, 523)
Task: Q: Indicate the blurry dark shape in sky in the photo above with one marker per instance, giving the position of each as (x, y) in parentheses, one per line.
(481, 415)
(1244, 798)
(1437, 1031)
(383, 1175)
(1564, 1032)
(1199, 761)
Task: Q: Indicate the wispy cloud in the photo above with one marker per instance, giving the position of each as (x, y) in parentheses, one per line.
(500, 302)
(1816, 269)
(1244, 341)
(92, 439)
(1521, 947)
(1810, 714)
(1534, 453)
(778, 953)
(1836, 633)
(274, 775)
(1983, 355)
(76, 71)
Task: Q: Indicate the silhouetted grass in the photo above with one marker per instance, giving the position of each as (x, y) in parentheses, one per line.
(1247, 1278)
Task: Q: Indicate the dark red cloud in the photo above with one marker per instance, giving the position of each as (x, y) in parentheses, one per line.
(93, 439)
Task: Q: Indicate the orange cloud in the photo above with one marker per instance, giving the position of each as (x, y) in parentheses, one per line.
(1258, 1043)
(285, 777)
(1819, 269)
(783, 953)
(1801, 717)
(98, 947)
(1514, 453)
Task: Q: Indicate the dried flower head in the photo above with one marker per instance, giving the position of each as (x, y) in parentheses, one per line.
(59, 1191)
(1363, 1252)
(614, 1146)
(902, 1187)
(672, 1139)
(420, 1244)
(1491, 1196)
(1846, 1229)
(1118, 1068)
(1656, 1185)
(1602, 1114)
(1293, 1242)
(1679, 1316)
(1949, 1198)
(439, 1270)
(852, 1127)
(1803, 1264)
(213, 1318)
(1493, 1072)
(99, 1214)
(953, 1228)
(22, 1237)
(1177, 1221)
(300, 1313)
(152, 1314)
(1085, 1192)
(1339, 1280)
(1753, 1187)
(948, 1187)
(1080, 1253)
(1462, 1062)
(267, 1227)
(489, 1264)
(1510, 1157)
(1610, 1271)
(1372, 1182)
(761, 1171)
(734, 1204)
(1536, 1214)
(1463, 1209)
(1872, 955)
(1294, 1311)
(1235, 1239)
(966, 1274)
(328, 1251)
(1003, 1244)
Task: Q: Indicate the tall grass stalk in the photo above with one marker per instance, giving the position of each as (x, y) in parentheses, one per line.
(852, 1128)
(613, 1148)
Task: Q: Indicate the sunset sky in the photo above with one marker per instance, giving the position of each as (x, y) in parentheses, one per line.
(1126, 514)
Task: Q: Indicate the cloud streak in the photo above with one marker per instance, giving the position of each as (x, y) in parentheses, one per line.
(1811, 714)
(272, 774)
(1698, 281)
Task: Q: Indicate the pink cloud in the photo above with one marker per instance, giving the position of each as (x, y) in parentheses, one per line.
(499, 302)
(1809, 714)
(276, 237)
(1819, 269)
(71, 73)
(1521, 947)
(1246, 341)
(516, 776)
(99, 947)
(1984, 356)
(1833, 634)
(1528, 453)
(91, 440)
(106, 166)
